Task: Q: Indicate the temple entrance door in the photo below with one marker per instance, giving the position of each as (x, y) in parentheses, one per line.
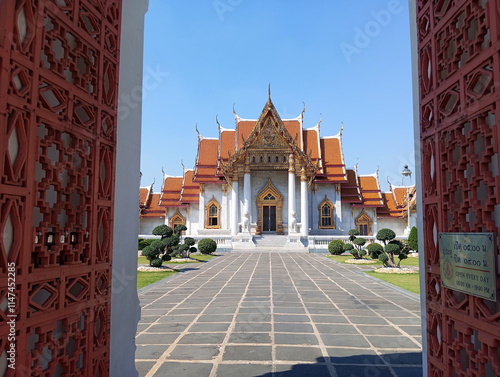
(269, 218)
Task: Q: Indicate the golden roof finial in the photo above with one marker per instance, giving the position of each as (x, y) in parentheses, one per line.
(341, 128)
(304, 109)
(356, 166)
(320, 119)
(269, 93)
(234, 112)
(183, 167)
(217, 120)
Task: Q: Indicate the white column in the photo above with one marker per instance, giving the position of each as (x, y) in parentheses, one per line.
(234, 206)
(225, 209)
(304, 205)
(247, 202)
(201, 209)
(292, 215)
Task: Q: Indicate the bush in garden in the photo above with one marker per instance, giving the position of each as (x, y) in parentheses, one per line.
(207, 246)
(375, 249)
(162, 230)
(391, 248)
(347, 247)
(335, 247)
(413, 239)
(143, 243)
(162, 250)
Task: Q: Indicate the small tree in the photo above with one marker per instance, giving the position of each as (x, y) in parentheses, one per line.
(207, 246)
(359, 253)
(335, 247)
(155, 253)
(413, 239)
(391, 248)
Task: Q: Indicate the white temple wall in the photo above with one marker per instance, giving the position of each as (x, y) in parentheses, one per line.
(193, 219)
(147, 224)
(396, 225)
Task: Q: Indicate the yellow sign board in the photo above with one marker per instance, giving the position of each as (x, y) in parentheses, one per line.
(469, 263)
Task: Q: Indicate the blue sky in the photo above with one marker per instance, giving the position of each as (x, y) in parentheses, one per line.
(348, 60)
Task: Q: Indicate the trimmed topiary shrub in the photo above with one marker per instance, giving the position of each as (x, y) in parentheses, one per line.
(156, 262)
(207, 246)
(347, 247)
(335, 247)
(162, 230)
(143, 243)
(413, 239)
(385, 235)
(375, 249)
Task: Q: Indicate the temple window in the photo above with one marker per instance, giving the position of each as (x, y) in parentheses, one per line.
(253, 159)
(326, 214)
(364, 224)
(177, 219)
(212, 210)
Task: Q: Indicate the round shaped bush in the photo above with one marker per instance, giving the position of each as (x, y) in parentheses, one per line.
(166, 257)
(142, 244)
(207, 246)
(362, 253)
(392, 248)
(353, 232)
(180, 228)
(335, 247)
(385, 235)
(359, 241)
(193, 249)
(146, 252)
(189, 241)
(402, 256)
(156, 262)
(383, 258)
(347, 247)
(375, 248)
(162, 230)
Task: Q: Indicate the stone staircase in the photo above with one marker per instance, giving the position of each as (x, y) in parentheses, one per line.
(272, 243)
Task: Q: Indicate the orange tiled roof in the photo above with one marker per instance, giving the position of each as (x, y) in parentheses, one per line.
(226, 143)
(311, 143)
(190, 192)
(143, 196)
(350, 191)
(370, 191)
(400, 195)
(333, 161)
(171, 192)
(390, 208)
(206, 161)
(153, 209)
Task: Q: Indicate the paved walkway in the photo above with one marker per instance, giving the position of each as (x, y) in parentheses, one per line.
(276, 315)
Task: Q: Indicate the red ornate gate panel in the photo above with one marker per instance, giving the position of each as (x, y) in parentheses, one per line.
(58, 107)
(458, 49)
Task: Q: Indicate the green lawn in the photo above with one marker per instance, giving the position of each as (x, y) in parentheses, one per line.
(411, 261)
(200, 257)
(145, 278)
(410, 282)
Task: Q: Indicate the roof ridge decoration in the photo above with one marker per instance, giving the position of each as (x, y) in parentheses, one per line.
(269, 117)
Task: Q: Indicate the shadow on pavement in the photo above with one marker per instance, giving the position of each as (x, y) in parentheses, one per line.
(405, 364)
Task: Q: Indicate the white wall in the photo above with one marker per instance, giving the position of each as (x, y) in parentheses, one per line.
(125, 311)
(396, 225)
(147, 224)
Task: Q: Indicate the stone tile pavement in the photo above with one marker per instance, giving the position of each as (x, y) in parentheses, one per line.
(277, 314)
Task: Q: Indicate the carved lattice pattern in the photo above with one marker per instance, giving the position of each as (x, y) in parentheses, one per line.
(58, 106)
(458, 65)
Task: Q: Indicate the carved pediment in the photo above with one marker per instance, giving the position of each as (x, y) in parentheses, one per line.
(270, 138)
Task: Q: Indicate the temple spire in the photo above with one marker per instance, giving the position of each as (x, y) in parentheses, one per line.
(269, 93)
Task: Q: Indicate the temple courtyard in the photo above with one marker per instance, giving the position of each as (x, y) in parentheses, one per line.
(277, 314)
